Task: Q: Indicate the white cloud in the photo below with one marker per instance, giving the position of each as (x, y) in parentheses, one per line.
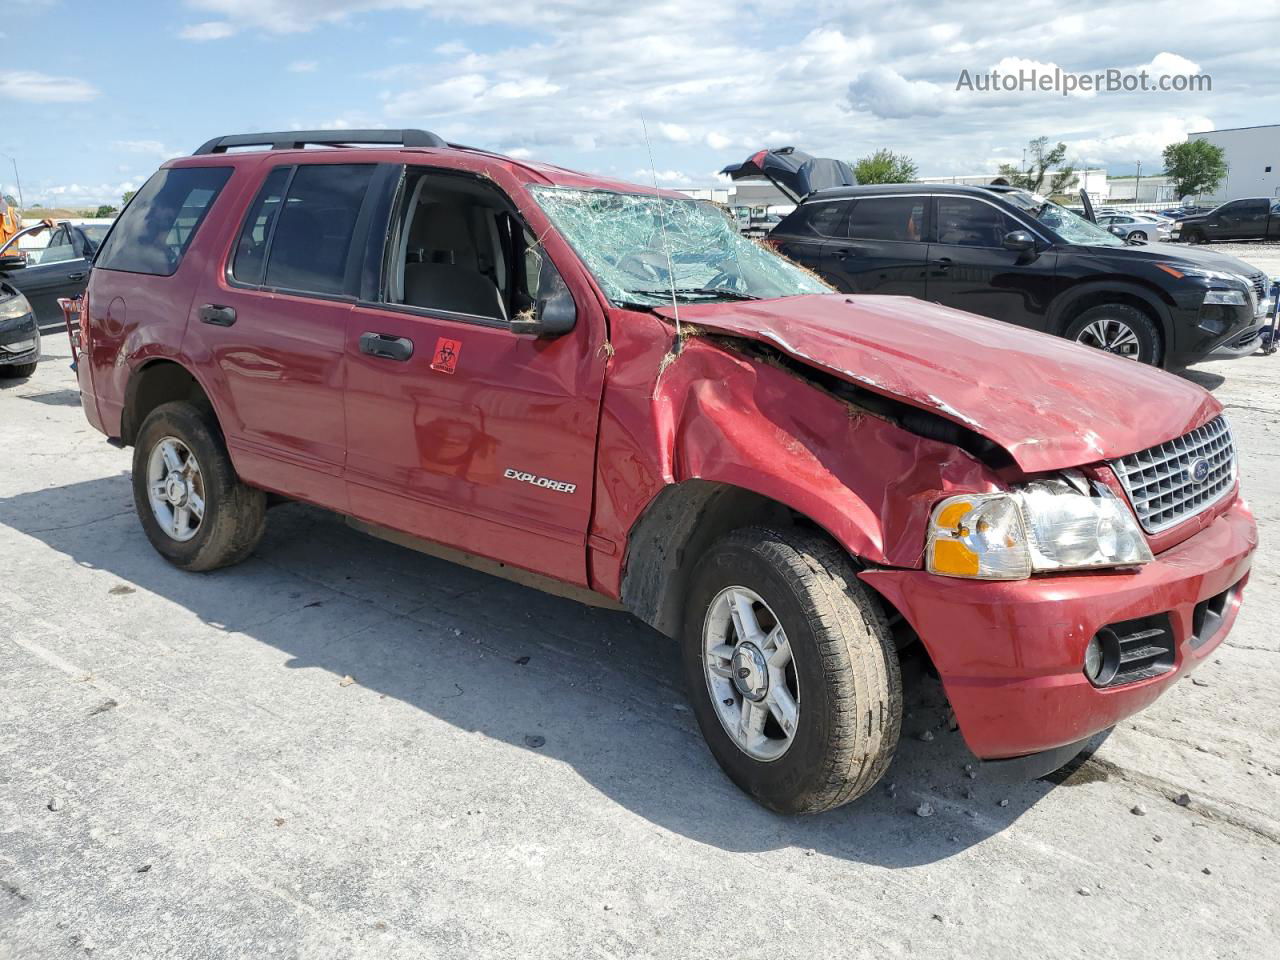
(303, 66)
(153, 148)
(209, 30)
(42, 88)
(883, 92)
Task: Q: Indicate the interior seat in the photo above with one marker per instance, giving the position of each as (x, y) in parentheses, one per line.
(447, 286)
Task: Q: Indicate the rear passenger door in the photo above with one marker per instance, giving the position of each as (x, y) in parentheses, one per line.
(273, 327)
(883, 249)
(804, 234)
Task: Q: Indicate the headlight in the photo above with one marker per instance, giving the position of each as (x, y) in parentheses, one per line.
(1233, 298)
(1048, 525)
(14, 307)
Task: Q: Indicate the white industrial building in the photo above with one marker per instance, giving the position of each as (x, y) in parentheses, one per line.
(1253, 161)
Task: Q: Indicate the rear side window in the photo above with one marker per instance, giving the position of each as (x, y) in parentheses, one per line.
(154, 232)
(823, 219)
(887, 218)
(251, 249)
(309, 247)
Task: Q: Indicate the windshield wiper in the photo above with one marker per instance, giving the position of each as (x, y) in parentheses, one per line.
(697, 292)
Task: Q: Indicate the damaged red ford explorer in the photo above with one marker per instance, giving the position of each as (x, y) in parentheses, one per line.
(606, 391)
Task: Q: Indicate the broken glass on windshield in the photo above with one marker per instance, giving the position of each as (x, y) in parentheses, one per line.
(640, 246)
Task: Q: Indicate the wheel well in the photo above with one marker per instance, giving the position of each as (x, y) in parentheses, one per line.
(161, 381)
(675, 530)
(1103, 295)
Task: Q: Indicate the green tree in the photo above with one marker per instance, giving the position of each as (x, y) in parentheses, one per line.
(885, 166)
(1196, 166)
(128, 195)
(104, 210)
(1045, 165)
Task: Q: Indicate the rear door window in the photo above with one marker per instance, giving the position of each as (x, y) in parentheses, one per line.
(825, 219)
(155, 230)
(251, 248)
(887, 218)
(309, 249)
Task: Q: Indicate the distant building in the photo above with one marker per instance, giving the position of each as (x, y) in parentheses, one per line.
(1154, 189)
(1253, 161)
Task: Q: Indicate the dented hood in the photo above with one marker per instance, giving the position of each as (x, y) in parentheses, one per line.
(1050, 403)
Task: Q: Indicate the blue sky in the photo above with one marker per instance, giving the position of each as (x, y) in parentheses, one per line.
(93, 96)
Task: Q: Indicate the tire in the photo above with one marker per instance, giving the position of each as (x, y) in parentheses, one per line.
(1196, 236)
(1137, 235)
(843, 673)
(232, 517)
(18, 371)
(1121, 325)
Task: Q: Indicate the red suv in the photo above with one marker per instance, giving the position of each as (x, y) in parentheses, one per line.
(606, 390)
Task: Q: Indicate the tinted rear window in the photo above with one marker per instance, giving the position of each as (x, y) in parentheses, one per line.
(153, 233)
(823, 219)
(887, 218)
(309, 248)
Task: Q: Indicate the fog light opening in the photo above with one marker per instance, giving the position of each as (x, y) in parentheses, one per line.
(1102, 657)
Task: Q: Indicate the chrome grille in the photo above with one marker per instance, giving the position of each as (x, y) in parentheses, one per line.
(1160, 481)
(1261, 287)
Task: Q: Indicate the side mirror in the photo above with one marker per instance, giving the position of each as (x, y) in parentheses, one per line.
(554, 313)
(13, 261)
(1118, 231)
(1019, 241)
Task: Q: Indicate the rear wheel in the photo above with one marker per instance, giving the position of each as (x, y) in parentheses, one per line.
(1138, 235)
(193, 507)
(1119, 329)
(791, 670)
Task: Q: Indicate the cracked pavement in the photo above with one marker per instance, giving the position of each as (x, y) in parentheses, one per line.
(187, 771)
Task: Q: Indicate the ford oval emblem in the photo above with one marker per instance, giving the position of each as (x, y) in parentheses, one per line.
(1198, 470)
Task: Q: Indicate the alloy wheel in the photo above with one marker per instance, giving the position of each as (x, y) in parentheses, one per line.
(750, 674)
(1113, 336)
(175, 489)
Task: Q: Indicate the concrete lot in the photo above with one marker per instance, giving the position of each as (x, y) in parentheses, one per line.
(185, 772)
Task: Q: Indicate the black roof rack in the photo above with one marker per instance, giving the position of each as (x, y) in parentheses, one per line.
(297, 139)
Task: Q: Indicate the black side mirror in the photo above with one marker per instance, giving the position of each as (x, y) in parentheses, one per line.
(1119, 231)
(1019, 241)
(554, 313)
(12, 262)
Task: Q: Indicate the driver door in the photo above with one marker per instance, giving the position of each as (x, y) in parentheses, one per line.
(59, 269)
(970, 269)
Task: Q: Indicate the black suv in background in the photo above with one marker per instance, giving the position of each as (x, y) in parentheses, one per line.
(1012, 255)
(1253, 218)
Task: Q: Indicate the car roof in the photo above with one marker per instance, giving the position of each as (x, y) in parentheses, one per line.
(958, 189)
(401, 146)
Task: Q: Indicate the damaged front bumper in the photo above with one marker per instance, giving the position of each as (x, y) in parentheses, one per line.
(1011, 654)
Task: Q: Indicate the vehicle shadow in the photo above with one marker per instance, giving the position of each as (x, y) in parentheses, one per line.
(509, 662)
(1210, 381)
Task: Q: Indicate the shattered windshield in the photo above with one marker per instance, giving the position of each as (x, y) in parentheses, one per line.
(639, 246)
(1070, 226)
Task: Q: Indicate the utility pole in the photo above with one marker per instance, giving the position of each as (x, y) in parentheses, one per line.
(1137, 182)
(17, 180)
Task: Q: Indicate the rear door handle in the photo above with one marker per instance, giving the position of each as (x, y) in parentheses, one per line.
(941, 263)
(76, 276)
(386, 346)
(843, 254)
(218, 316)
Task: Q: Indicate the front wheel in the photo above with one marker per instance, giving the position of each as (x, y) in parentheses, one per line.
(791, 669)
(193, 507)
(1119, 329)
(19, 371)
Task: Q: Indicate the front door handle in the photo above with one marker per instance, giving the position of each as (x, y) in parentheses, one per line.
(942, 263)
(76, 276)
(217, 315)
(843, 254)
(386, 346)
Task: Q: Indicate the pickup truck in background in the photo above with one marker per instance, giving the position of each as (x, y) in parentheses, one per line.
(1254, 218)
